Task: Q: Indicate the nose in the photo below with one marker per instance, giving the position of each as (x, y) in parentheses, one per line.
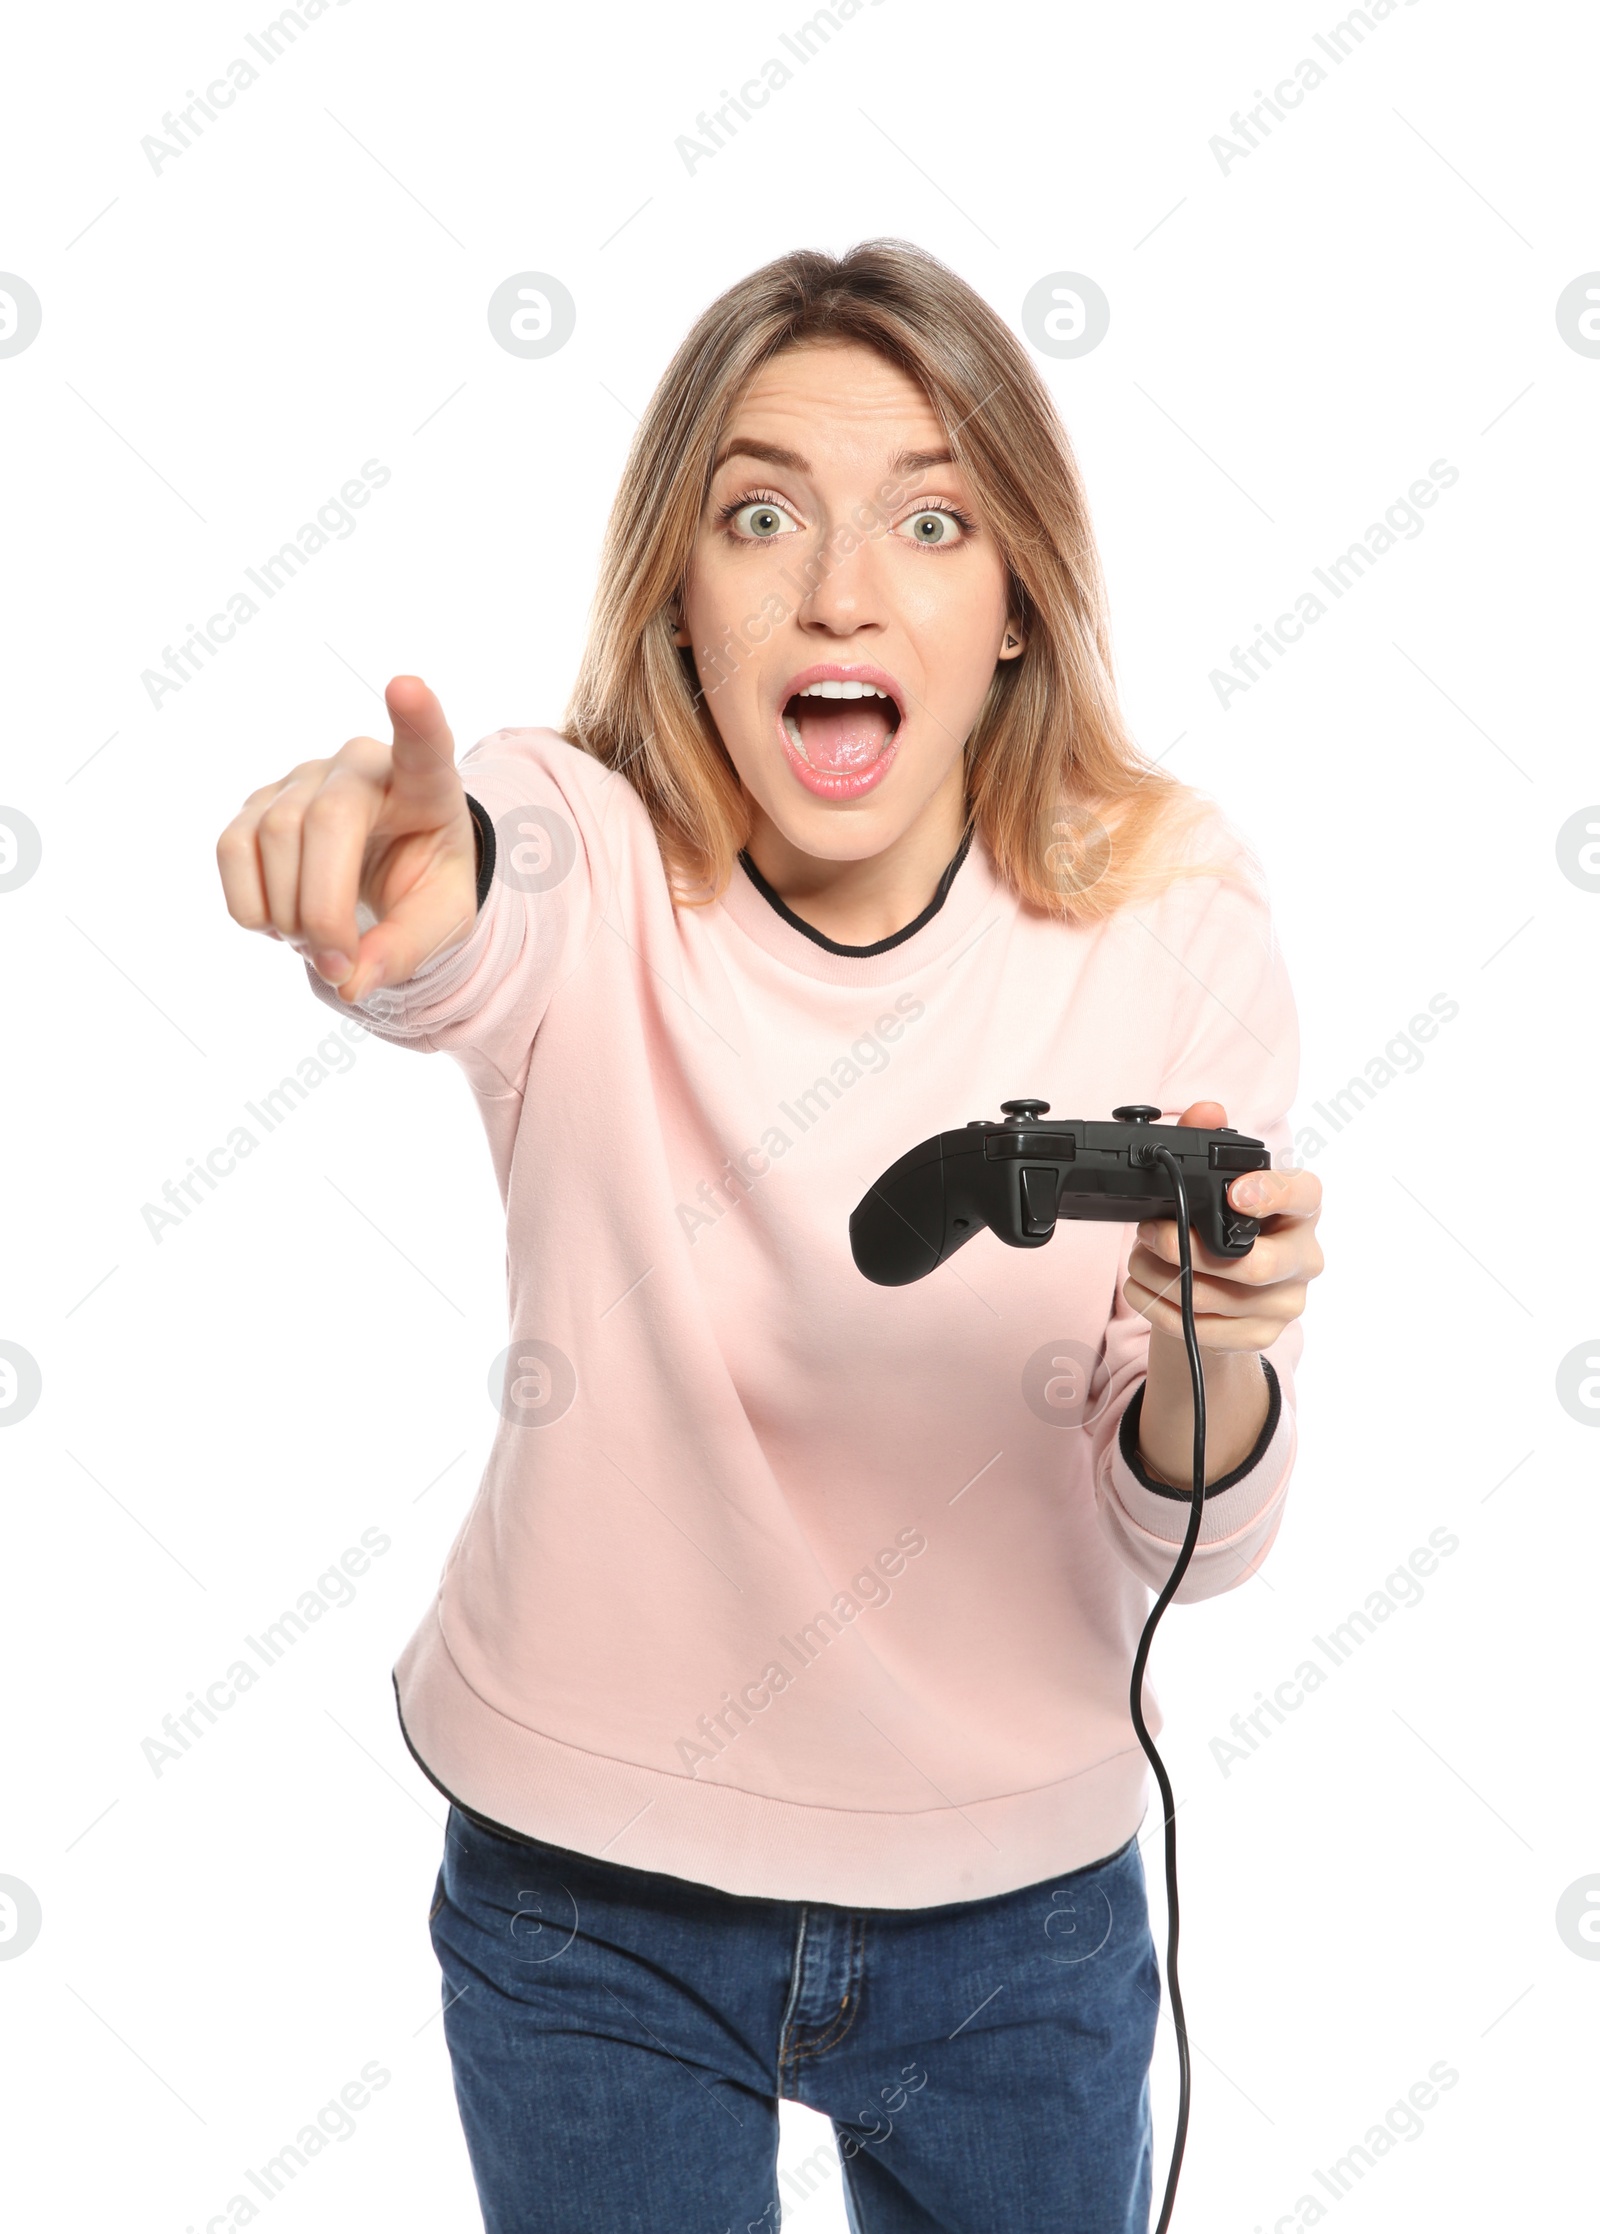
(847, 593)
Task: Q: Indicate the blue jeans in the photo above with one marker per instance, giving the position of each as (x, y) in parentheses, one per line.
(620, 2040)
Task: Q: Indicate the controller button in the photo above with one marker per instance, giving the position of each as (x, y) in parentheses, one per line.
(1029, 1140)
(1225, 1157)
(1039, 1190)
(1024, 1111)
(1135, 1113)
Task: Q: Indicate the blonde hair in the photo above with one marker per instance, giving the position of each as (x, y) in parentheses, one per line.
(1075, 819)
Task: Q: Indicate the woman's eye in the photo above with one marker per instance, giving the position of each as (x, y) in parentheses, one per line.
(762, 521)
(934, 528)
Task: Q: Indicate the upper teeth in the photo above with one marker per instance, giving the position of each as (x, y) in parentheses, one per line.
(841, 690)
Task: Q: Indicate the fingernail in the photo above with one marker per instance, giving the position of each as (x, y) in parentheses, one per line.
(1249, 1192)
(331, 964)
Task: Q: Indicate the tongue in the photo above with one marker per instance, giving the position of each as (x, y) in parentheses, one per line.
(841, 734)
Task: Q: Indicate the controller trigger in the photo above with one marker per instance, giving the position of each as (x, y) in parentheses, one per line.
(1040, 1188)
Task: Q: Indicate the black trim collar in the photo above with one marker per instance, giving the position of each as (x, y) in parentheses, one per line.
(879, 946)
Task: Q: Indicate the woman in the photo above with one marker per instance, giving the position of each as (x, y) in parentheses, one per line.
(778, 1675)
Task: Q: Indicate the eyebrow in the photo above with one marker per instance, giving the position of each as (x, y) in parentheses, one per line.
(769, 453)
(919, 461)
(773, 453)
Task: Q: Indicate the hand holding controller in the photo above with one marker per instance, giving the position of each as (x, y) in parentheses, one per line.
(1018, 1176)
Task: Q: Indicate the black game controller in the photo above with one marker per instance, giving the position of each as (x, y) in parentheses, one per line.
(1018, 1176)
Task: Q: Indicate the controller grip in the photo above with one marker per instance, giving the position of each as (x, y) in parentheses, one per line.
(906, 1225)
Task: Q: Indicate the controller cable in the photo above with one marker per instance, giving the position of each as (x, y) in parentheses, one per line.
(1180, 1568)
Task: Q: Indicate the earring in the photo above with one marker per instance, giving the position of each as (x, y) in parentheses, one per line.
(1010, 641)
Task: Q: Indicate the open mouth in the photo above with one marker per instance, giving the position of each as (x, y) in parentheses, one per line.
(840, 732)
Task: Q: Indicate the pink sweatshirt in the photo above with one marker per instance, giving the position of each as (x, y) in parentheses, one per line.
(776, 1579)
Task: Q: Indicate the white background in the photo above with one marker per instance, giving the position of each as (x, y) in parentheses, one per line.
(1293, 340)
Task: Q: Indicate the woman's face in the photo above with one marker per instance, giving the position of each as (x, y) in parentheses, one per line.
(845, 609)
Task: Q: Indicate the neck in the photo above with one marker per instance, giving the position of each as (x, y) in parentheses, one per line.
(859, 902)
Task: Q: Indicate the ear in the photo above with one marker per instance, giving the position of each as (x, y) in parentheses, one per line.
(680, 635)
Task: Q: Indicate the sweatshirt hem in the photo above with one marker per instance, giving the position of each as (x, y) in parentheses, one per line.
(530, 1785)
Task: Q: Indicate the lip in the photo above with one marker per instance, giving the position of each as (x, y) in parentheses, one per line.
(862, 780)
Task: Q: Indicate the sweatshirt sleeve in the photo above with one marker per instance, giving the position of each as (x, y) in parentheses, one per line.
(1233, 1038)
(543, 886)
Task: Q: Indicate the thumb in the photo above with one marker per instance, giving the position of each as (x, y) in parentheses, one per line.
(1206, 1115)
(419, 928)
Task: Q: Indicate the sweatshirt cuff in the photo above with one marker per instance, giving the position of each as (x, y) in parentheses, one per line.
(483, 843)
(1236, 1503)
(1128, 1445)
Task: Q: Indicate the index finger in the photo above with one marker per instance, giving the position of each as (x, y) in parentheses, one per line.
(424, 751)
